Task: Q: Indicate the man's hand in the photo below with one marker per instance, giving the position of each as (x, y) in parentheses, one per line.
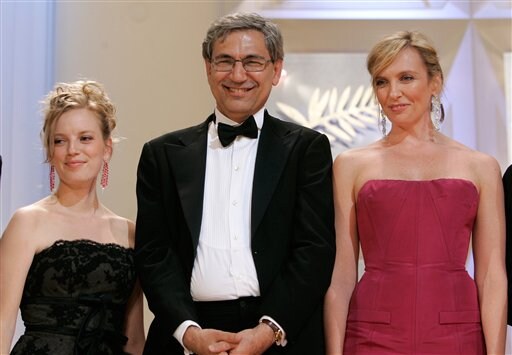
(254, 341)
(210, 341)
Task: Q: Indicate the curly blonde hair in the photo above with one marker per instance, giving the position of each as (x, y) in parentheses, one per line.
(76, 95)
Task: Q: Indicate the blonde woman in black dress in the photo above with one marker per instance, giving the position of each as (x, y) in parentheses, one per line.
(67, 261)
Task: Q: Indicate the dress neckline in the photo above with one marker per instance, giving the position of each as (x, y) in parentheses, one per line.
(66, 242)
(412, 181)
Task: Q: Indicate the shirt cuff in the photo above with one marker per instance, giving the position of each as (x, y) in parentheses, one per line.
(180, 332)
(283, 340)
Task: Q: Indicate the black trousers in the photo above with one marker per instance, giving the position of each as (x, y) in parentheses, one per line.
(230, 316)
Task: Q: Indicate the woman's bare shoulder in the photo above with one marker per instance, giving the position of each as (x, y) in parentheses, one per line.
(33, 213)
(26, 226)
(122, 228)
(476, 158)
(480, 167)
(359, 155)
(354, 160)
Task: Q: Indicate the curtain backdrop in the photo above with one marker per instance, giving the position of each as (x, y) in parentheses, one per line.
(26, 63)
(26, 37)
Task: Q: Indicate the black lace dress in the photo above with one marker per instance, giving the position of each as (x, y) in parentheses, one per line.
(74, 299)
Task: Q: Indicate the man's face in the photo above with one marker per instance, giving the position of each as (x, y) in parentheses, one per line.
(239, 93)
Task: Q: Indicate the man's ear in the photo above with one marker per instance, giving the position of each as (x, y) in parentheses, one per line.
(278, 68)
(208, 67)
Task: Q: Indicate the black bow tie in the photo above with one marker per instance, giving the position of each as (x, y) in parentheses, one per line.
(227, 133)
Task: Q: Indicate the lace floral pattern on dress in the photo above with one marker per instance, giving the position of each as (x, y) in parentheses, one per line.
(75, 297)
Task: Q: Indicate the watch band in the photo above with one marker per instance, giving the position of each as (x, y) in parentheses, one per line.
(278, 333)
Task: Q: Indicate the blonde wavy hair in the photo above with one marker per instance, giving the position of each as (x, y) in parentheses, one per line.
(386, 50)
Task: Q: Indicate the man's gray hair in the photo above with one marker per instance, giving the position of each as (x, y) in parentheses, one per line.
(220, 28)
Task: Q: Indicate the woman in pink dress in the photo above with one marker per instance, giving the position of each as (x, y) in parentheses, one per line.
(413, 201)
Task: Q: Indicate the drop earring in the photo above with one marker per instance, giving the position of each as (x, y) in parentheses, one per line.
(382, 122)
(52, 178)
(104, 176)
(436, 112)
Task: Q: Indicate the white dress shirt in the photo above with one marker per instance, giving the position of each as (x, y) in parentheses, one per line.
(224, 268)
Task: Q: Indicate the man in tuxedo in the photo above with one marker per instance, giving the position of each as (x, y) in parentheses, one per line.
(235, 223)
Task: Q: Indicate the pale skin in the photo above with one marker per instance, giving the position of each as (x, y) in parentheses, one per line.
(413, 150)
(72, 212)
(238, 95)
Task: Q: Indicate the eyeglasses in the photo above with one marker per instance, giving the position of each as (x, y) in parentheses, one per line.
(250, 64)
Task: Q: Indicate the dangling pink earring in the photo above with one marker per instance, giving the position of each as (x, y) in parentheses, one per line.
(52, 178)
(104, 176)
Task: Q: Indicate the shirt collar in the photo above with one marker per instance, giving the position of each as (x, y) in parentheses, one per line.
(258, 117)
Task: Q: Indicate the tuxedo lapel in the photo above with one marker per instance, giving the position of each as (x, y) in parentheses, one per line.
(188, 163)
(276, 143)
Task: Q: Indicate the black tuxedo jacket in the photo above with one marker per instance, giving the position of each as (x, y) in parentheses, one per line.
(507, 186)
(292, 227)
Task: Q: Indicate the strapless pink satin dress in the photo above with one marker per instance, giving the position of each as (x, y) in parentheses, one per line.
(415, 296)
